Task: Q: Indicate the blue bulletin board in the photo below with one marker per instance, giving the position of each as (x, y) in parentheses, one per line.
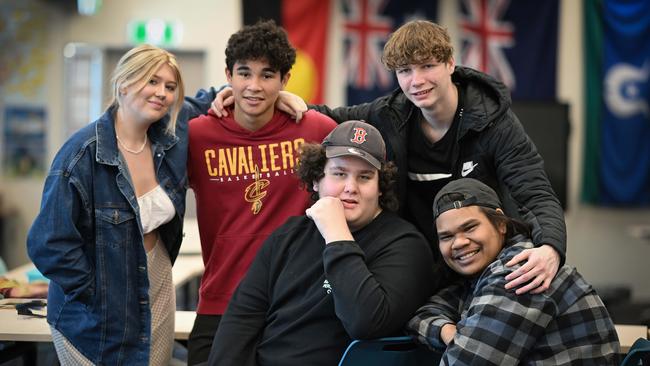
(24, 141)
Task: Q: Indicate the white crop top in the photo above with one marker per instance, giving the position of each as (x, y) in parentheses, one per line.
(156, 209)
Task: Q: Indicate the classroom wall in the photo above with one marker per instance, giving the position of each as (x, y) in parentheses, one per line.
(21, 196)
(207, 26)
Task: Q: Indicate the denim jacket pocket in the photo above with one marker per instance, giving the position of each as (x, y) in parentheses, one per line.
(86, 297)
(115, 226)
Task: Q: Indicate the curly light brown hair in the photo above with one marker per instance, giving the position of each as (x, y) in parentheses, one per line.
(311, 168)
(417, 42)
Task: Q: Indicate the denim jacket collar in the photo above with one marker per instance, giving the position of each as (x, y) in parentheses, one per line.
(107, 152)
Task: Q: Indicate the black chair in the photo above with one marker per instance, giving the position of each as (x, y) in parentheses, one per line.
(390, 351)
(639, 354)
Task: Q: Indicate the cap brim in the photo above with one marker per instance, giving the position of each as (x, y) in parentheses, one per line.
(337, 151)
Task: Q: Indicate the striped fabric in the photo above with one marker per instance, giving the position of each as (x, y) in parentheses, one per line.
(67, 354)
(163, 305)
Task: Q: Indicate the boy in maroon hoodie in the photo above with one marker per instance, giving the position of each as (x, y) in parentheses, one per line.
(241, 169)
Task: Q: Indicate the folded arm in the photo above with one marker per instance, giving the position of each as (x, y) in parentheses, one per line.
(441, 310)
(521, 169)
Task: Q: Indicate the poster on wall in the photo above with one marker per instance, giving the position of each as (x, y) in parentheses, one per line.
(24, 141)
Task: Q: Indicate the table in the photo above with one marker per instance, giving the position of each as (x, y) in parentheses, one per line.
(185, 268)
(31, 329)
(20, 273)
(627, 334)
(188, 263)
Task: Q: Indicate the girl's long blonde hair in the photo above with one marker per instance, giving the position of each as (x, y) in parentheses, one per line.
(138, 66)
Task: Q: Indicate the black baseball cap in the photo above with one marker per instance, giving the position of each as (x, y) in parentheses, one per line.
(356, 138)
(472, 193)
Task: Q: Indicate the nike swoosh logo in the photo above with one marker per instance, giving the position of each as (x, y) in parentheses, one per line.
(467, 170)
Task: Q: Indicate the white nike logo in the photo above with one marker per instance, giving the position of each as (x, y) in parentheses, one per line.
(468, 166)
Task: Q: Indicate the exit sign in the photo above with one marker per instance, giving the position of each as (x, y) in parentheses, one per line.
(155, 31)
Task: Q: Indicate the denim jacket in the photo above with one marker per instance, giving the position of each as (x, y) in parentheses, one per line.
(88, 240)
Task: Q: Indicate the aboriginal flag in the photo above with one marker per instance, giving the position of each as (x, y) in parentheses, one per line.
(306, 22)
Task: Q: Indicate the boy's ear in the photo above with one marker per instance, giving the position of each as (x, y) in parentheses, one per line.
(503, 229)
(285, 79)
(228, 76)
(451, 65)
(502, 226)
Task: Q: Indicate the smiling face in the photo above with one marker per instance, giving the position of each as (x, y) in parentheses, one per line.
(467, 240)
(150, 101)
(356, 183)
(427, 83)
(255, 87)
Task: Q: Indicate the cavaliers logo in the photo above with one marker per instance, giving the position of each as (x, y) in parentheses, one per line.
(255, 192)
(359, 135)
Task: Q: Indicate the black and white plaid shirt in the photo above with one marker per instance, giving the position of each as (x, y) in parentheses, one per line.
(566, 325)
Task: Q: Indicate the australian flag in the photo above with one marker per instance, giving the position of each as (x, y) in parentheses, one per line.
(367, 25)
(514, 41)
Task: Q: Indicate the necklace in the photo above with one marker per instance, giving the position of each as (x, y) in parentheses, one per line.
(134, 152)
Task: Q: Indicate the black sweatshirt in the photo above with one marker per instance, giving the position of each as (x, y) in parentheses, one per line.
(302, 302)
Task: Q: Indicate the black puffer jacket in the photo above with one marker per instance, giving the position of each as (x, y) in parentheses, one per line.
(490, 136)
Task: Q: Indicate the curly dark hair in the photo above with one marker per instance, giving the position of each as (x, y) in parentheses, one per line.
(311, 168)
(262, 41)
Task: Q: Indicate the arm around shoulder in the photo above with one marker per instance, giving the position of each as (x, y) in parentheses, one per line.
(520, 168)
(341, 114)
(198, 105)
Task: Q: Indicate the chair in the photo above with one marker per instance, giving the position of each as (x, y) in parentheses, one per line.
(639, 354)
(390, 351)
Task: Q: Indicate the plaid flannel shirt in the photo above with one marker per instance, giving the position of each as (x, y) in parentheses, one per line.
(566, 325)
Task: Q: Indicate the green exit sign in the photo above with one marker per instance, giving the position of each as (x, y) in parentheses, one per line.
(155, 31)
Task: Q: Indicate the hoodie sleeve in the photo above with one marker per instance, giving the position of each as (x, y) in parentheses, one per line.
(520, 169)
(356, 112)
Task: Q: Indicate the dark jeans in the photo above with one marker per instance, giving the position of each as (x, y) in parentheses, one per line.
(201, 336)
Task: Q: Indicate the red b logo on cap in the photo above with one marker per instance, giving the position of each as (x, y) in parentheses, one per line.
(359, 135)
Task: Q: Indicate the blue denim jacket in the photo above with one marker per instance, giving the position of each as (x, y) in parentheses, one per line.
(87, 238)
